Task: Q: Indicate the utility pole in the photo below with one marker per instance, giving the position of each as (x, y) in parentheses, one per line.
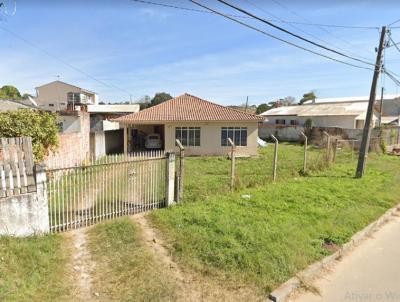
(247, 103)
(368, 119)
(381, 107)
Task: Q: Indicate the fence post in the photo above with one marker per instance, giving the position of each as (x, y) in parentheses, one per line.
(328, 146)
(170, 180)
(233, 159)
(275, 157)
(181, 170)
(305, 151)
(43, 222)
(334, 150)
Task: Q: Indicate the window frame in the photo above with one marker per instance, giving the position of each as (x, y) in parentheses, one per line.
(237, 134)
(189, 136)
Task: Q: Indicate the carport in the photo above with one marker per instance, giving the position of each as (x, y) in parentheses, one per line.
(135, 135)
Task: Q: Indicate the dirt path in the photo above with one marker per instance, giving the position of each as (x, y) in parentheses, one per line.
(81, 265)
(192, 286)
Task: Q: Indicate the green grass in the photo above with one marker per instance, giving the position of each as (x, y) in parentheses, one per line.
(283, 227)
(125, 269)
(32, 269)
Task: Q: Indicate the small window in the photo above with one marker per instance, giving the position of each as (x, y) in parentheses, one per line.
(294, 122)
(188, 136)
(51, 105)
(280, 122)
(237, 134)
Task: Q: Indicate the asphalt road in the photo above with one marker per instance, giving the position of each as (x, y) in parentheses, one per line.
(370, 273)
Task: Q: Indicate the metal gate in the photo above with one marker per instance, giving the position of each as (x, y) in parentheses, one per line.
(106, 188)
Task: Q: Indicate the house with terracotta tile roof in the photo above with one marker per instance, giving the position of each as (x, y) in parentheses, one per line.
(203, 127)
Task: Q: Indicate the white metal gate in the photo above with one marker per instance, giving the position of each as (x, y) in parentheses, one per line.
(106, 188)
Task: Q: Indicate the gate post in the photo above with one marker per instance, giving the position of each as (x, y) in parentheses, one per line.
(42, 199)
(170, 179)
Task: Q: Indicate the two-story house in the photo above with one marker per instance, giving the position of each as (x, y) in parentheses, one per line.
(61, 96)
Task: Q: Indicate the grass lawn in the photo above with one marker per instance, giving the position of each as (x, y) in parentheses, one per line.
(33, 269)
(125, 269)
(284, 226)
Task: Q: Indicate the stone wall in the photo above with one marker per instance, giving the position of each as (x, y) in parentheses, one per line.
(74, 147)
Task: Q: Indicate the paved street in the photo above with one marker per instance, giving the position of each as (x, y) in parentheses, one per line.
(370, 273)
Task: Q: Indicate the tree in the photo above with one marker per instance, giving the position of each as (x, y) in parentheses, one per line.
(40, 125)
(9, 92)
(288, 101)
(262, 108)
(159, 98)
(26, 96)
(307, 97)
(144, 102)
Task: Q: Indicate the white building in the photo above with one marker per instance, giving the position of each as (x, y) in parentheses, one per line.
(342, 115)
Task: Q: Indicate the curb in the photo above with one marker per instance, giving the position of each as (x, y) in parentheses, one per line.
(286, 289)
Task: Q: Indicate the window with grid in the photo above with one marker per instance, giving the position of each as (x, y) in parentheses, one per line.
(237, 134)
(280, 122)
(188, 136)
(74, 97)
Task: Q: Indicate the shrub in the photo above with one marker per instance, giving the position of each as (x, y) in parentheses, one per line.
(40, 125)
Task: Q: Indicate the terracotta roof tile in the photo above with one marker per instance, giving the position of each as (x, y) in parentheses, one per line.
(187, 107)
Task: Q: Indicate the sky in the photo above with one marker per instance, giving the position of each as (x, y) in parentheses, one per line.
(124, 50)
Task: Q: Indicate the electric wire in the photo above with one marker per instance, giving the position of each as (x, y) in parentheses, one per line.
(239, 16)
(277, 38)
(63, 61)
(293, 34)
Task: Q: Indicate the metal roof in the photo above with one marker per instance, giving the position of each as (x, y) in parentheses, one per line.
(352, 99)
(340, 109)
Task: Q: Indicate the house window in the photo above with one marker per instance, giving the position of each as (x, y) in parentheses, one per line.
(74, 97)
(294, 122)
(51, 105)
(280, 122)
(237, 134)
(188, 136)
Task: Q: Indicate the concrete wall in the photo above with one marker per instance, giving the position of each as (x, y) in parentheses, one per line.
(74, 147)
(287, 134)
(98, 144)
(319, 121)
(26, 214)
(210, 138)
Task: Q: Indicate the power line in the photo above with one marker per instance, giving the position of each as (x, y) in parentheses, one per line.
(307, 20)
(398, 20)
(293, 34)
(63, 61)
(240, 16)
(277, 38)
(298, 28)
(394, 43)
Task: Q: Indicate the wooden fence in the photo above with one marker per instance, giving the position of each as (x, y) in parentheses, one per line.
(16, 166)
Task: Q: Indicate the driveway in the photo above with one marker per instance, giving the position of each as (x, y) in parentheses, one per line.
(370, 273)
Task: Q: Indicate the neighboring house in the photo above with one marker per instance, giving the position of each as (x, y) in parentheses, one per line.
(106, 137)
(12, 105)
(390, 109)
(347, 115)
(202, 127)
(61, 96)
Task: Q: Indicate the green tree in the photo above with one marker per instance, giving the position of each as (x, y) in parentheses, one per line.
(9, 92)
(25, 96)
(160, 97)
(307, 97)
(40, 125)
(262, 108)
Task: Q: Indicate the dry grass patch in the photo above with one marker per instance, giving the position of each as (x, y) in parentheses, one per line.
(125, 269)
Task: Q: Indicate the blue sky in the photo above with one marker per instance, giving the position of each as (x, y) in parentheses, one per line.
(143, 49)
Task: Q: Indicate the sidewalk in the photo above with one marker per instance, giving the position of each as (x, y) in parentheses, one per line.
(370, 273)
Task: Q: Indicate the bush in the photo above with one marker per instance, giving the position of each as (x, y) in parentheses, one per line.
(40, 125)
